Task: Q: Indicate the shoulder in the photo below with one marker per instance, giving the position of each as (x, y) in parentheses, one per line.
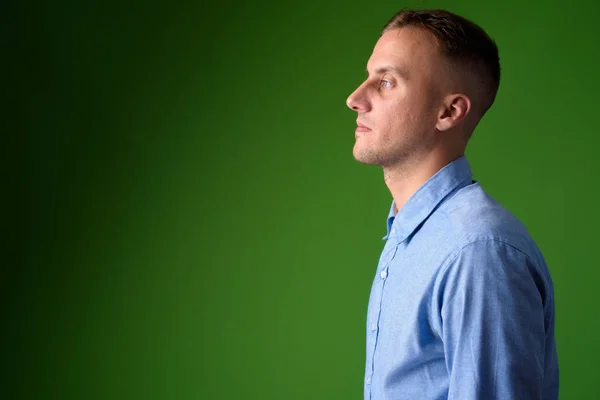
(479, 223)
(489, 244)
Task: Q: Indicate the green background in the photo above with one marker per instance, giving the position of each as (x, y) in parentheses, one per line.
(193, 224)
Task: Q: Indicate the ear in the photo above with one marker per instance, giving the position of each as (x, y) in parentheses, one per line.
(454, 109)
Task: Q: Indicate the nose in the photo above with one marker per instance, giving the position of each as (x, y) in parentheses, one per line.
(357, 101)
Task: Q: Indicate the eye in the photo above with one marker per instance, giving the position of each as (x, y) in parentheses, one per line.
(385, 84)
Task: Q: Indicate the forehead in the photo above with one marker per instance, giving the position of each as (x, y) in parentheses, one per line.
(407, 48)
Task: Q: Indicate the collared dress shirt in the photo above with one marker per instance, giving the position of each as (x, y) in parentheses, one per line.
(462, 304)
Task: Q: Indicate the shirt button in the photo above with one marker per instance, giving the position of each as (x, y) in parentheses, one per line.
(383, 274)
(373, 328)
(368, 380)
(393, 230)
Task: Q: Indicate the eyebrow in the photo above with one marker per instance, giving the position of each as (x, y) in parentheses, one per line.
(395, 70)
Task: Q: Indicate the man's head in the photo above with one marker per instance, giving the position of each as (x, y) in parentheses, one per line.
(431, 77)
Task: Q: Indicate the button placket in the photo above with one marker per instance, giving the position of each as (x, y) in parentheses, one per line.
(388, 255)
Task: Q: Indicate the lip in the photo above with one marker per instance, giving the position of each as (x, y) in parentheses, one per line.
(360, 127)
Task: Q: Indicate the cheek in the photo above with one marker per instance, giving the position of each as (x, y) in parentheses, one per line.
(412, 111)
(397, 114)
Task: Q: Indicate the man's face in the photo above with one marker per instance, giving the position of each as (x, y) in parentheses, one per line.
(399, 102)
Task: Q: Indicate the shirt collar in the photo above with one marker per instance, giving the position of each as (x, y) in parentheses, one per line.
(425, 200)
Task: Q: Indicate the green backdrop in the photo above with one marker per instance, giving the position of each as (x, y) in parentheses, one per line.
(194, 224)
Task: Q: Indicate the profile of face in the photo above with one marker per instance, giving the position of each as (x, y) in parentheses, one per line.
(400, 103)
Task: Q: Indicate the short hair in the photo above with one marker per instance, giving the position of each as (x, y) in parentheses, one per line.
(459, 40)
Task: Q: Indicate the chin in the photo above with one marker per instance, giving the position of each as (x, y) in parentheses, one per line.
(365, 157)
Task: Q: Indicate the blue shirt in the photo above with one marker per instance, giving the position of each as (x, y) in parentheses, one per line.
(462, 304)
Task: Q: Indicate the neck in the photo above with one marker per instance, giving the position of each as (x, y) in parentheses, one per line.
(405, 178)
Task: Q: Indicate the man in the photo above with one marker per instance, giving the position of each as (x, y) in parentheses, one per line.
(462, 305)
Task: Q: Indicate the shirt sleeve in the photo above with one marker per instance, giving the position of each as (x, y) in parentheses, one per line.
(493, 323)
